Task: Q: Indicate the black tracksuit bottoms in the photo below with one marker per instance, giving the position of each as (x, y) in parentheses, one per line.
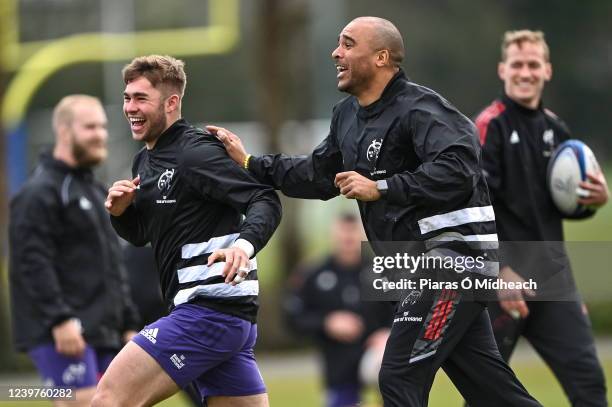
(560, 332)
(440, 330)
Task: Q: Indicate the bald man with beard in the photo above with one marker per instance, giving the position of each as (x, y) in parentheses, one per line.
(71, 305)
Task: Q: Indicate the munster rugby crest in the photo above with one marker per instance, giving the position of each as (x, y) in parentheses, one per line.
(374, 149)
(164, 182)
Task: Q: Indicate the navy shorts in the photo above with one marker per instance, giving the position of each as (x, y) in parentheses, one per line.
(56, 369)
(210, 348)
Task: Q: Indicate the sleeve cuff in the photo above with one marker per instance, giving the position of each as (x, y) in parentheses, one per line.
(245, 245)
(394, 193)
(60, 319)
(125, 215)
(255, 166)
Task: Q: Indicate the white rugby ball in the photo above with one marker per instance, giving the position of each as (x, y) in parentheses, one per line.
(569, 165)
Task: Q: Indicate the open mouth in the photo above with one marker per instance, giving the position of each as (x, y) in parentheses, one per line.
(136, 123)
(523, 84)
(340, 70)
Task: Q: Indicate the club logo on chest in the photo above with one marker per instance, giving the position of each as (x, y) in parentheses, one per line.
(374, 149)
(164, 183)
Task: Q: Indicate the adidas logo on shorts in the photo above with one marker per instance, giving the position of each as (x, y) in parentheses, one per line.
(150, 334)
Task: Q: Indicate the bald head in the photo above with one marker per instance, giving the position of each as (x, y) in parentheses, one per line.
(79, 124)
(64, 112)
(384, 35)
(368, 56)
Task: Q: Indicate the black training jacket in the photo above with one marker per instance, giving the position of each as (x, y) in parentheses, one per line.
(517, 144)
(65, 260)
(190, 202)
(322, 289)
(426, 150)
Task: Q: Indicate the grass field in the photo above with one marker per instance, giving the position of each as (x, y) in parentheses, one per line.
(305, 391)
(535, 376)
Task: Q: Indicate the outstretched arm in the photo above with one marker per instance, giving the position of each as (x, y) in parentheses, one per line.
(211, 173)
(306, 176)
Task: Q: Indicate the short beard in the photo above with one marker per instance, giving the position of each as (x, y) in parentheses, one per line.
(157, 127)
(82, 157)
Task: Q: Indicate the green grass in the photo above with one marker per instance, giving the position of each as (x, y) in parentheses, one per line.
(306, 391)
(535, 376)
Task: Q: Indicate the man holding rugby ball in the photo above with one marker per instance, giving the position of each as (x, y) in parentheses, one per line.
(519, 136)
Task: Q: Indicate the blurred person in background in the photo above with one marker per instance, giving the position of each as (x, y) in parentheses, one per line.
(518, 137)
(412, 162)
(71, 306)
(325, 303)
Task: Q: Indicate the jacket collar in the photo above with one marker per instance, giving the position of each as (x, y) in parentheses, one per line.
(333, 264)
(171, 133)
(391, 90)
(48, 161)
(520, 108)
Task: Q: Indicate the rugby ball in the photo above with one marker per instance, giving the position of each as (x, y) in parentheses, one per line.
(569, 165)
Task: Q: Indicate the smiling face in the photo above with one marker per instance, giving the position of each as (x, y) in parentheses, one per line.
(525, 71)
(145, 108)
(354, 58)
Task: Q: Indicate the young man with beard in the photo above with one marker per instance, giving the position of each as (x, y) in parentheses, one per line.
(518, 136)
(71, 306)
(187, 198)
(411, 160)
